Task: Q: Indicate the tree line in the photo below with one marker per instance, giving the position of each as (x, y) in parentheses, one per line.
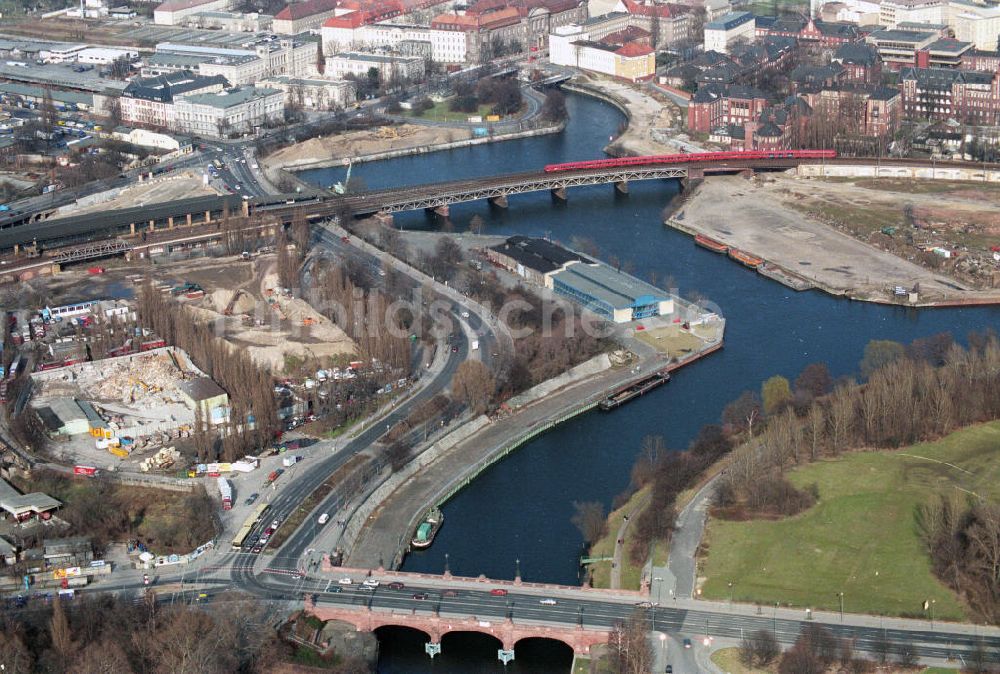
(250, 388)
(102, 633)
(910, 394)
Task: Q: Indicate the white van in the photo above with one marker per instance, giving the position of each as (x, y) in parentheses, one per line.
(324, 518)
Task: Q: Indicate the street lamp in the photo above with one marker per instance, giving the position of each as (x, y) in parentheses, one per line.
(774, 619)
(732, 583)
(663, 640)
(841, 595)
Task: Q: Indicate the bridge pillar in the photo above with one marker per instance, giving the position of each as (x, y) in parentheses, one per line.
(246, 208)
(208, 216)
(499, 202)
(152, 225)
(17, 248)
(559, 194)
(622, 187)
(188, 219)
(131, 227)
(506, 656)
(432, 649)
(170, 222)
(442, 210)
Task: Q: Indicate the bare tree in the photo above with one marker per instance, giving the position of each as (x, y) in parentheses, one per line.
(590, 519)
(473, 384)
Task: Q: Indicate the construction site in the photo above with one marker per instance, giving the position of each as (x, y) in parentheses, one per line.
(124, 410)
(275, 326)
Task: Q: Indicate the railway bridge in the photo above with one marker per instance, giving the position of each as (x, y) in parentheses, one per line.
(202, 213)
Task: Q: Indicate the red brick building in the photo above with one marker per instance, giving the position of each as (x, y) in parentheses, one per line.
(969, 96)
(712, 107)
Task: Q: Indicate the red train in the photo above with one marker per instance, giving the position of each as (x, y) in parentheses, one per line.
(690, 157)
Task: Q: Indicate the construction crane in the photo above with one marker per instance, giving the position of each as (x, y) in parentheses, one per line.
(341, 188)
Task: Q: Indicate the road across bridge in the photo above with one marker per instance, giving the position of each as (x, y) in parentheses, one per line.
(582, 617)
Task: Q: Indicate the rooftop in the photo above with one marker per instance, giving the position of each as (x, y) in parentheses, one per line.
(902, 35)
(729, 21)
(165, 87)
(300, 10)
(230, 98)
(949, 45)
(609, 286)
(538, 254)
(201, 388)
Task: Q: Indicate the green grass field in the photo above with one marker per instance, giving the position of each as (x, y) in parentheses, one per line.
(861, 538)
(441, 113)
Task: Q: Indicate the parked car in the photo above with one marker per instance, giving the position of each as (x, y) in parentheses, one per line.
(420, 596)
(345, 581)
(252, 498)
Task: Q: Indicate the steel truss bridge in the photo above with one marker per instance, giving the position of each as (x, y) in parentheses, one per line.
(497, 188)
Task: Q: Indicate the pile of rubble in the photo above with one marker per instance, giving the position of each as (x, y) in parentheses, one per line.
(162, 460)
(131, 379)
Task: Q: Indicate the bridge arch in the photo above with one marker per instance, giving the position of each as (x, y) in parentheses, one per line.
(528, 641)
(427, 636)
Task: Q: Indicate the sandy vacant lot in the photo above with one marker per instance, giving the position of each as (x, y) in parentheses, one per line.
(183, 185)
(359, 143)
(757, 218)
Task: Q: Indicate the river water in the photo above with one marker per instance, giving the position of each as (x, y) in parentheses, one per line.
(521, 508)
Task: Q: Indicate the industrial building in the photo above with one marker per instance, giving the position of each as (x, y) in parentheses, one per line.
(610, 293)
(24, 507)
(532, 259)
(605, 291)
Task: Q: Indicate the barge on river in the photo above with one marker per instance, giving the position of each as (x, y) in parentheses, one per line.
(634, 390)
(745, 258)
(711, 244)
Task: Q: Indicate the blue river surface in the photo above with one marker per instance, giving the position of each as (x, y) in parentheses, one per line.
(521, 507)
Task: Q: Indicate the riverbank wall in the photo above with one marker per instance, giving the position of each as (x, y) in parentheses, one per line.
(329, 162)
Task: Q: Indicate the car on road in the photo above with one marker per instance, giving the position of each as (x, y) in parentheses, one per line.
(420, 596)
(323, 519)
(644, 604)
(687, 643)
(268, 531)
(449, 593)
(252, 498)
(275, 523)
(669, 669)
(370, 582)
(498, 592)
(345, 581)
(335, 589)
(345, 239)
(395, 585)
(465, 314)
(454, 349)
(548, 602)
(257, 549)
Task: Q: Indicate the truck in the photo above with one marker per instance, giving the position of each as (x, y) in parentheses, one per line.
(87, 471)
(227, 493)
(475, 344)
(290, 461)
